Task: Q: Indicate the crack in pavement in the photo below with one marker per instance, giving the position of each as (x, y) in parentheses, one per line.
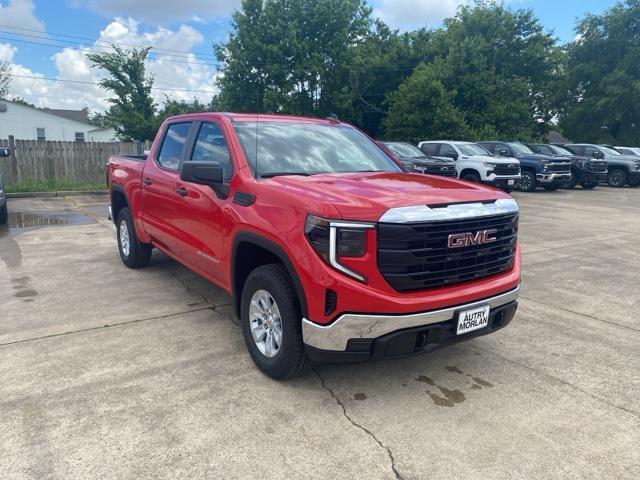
(564, 382)
(580, 313)
(357, 425)
(129, 322)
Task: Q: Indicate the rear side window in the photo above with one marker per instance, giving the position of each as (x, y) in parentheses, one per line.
(576, 150)
(173, 144)
(430, 148)
(211, 147)
(447, 150)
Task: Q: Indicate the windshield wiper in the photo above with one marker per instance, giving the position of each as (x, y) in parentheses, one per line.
(282, 174)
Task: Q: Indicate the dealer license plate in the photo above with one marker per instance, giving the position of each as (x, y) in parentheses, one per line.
(473, 319)
(511, 182)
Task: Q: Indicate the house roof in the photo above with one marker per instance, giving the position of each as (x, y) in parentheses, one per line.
(81, 116)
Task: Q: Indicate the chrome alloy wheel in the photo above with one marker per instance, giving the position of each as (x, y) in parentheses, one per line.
(125, 244)
(265, 323)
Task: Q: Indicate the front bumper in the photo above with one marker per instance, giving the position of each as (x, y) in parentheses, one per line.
(357, 337)
(553, 178)
(504, 180)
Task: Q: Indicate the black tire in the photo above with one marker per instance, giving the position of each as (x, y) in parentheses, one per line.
(571, 184)
(617, 178)
(291, 358)
(4, 214)
(138, 254)
(589, 185)
(550, 188)
(471, 177)
(634, 184)
(528, 182)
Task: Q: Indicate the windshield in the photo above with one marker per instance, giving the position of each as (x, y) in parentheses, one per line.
(471, 149)
(609, 151)
(519, 148)
(560, 150)
(401, 149)
(309, 148)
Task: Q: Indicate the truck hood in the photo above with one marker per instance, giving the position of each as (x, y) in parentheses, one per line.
(490, 159)
(367, 196)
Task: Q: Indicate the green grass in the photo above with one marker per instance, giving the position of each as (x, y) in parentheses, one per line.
(53, 186)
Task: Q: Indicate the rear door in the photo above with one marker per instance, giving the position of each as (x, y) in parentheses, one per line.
(161, 198)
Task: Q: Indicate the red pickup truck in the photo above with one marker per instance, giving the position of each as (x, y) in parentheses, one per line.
(330, 251)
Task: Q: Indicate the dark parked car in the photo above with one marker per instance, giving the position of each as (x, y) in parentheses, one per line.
(585, 171)
(4, 152)
(414, 160)
(622, 169)
(548, 171)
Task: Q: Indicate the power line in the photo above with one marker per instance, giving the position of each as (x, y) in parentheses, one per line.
(84, 82)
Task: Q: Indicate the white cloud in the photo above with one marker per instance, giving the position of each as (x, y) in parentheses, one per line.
(183, 72)
(409, 14)
(164, 12)
(20, 13)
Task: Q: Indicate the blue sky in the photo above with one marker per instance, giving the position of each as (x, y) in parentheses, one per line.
(185, 30)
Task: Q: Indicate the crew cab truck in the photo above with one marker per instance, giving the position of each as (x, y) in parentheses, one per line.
(585, 171)
(330, 251)
(622, 169)
(549, 171)
(475, 164)
(414, 160)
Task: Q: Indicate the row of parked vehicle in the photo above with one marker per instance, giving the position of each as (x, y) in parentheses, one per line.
(510, 165)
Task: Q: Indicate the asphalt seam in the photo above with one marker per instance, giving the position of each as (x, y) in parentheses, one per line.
(109, 325)
(563, 382)
(357, 425)
(581, 314)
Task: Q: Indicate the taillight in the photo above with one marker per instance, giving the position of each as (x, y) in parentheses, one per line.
(332, 239)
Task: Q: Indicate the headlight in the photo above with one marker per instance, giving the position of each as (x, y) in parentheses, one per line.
(335, 239)
(490, 165)
(637, 166)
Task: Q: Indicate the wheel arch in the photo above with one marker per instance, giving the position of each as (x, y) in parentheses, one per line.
(119, 201)
(250, 251)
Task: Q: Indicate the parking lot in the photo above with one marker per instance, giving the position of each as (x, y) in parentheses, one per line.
(114, 373)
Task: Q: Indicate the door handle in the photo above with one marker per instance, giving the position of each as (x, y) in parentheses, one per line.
(147, 181)
(182, 191)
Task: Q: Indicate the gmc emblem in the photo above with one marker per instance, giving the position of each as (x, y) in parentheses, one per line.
(467, 239)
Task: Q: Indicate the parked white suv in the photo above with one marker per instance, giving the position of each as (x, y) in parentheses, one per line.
(476, 164)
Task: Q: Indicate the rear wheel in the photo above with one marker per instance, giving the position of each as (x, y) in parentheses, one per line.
(617, 178)
(4, 214)
(272, 322)
(133, 252)
(528, 181)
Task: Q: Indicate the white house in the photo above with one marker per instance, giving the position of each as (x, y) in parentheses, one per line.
(28, 123)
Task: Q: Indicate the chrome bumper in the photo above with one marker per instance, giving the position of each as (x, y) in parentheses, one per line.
(553, 177)
(350, 325)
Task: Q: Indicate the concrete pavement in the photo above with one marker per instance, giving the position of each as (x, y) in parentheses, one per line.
(113, 373)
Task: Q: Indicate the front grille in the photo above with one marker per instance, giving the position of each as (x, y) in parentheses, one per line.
(507, 169)
(416, 256)
(446, 170)
(562, 167)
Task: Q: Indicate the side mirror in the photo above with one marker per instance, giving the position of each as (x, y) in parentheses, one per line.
(453, 156)
(5, 152)
(503, 152)
(597, 154)
(205, 173)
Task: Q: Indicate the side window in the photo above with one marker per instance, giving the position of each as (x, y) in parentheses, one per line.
(489, 146)
(172, 145)
(429, 148)
(211, 147)
(543, 149)
(589, 151)
(447, 150)
(576, 150)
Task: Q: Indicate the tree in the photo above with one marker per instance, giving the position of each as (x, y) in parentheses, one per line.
(497, 68)
(422, 107)
(132, 111)
(176, 107)
(292, 57)
(22, 101)
(5, 78)
(603, 78)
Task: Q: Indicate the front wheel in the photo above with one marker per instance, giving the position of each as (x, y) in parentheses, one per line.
(528, 181)
(471, 177)
(133, 252)
(272, 322)
(617, 178)
(589, 185)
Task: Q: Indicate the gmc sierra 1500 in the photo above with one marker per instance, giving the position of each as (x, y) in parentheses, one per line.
(330, 251)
